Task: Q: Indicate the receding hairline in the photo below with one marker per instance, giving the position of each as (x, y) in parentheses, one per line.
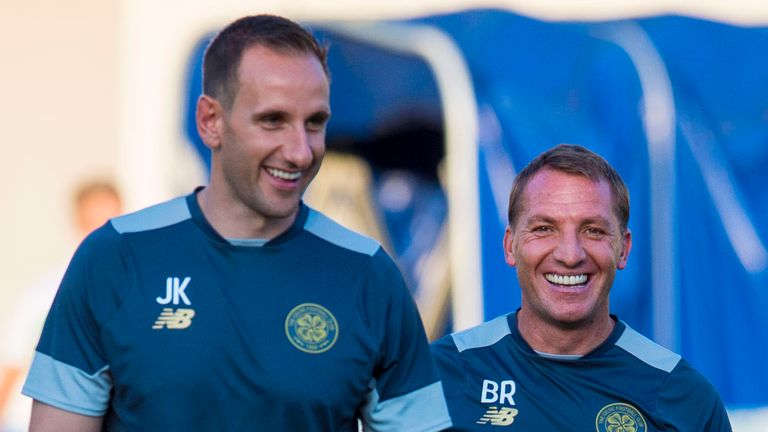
(239, 79)
(224, 54)
(598, 181)
(281, 51)
(576, 160)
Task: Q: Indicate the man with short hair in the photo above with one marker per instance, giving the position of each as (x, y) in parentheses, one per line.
(237, 307)
(562, 361)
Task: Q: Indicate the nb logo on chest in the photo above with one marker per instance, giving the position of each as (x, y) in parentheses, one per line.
(174, 320)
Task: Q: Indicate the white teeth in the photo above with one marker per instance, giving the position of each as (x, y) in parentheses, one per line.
(566, 280)
(285, 175)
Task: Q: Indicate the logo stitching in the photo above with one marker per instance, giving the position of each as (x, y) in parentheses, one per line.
(311, 328)
(174, 320)
(620, 417)
(498, 417)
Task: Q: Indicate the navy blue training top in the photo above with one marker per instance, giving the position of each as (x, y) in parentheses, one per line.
(494, 381)
(162, 324)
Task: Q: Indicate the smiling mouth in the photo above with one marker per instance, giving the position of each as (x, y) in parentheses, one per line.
(566, 280)
(284, 175)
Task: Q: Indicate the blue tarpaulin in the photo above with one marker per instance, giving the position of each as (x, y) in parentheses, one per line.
(678, 105)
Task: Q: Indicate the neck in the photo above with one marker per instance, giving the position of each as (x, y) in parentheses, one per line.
(233, 219)
(563, 339)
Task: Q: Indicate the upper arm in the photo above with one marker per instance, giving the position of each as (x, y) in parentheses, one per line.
(406, 394)
(47, 418)
(70, 369)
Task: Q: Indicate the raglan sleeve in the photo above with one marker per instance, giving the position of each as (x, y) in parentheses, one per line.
(69, 369)
(451, 372)
(405, 393)
(692, 403)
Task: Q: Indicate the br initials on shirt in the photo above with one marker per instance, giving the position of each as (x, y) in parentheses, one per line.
(501, 392)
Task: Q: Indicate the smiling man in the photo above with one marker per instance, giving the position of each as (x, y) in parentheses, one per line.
(237, 307)
(562, 361)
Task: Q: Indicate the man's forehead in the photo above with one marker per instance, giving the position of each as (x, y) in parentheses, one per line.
(556, 188)
(554, 218)
(551, 182)
(258, 52)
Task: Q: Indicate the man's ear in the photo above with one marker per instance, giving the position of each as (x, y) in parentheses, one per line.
(509, 247)
(209, 118)
(626, 246)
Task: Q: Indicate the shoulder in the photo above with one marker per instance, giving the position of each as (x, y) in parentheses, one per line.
(481, 336)
(336, 234)
(457, 354)
(105, 244)
(102, 269)
(340, 247)
(157, 216)
(647, 351)
(685, 395)
(360, 263)
(449, 350)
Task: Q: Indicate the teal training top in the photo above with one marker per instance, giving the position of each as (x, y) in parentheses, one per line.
(162, 324)
(494, 381)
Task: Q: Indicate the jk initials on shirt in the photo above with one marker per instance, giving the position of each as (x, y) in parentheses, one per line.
(498, 392)
(174, 290)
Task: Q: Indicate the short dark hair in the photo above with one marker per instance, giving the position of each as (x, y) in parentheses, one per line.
(572, 159)
(223, 55)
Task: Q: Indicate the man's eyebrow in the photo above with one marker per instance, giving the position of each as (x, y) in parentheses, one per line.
(539, 219)
(323, 114)
(597, 220)
(269, 112)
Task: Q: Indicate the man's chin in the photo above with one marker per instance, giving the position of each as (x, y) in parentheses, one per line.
(283, 208)
(573, 320)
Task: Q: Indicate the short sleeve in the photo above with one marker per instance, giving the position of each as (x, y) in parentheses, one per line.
(406, 393)
(69, 369)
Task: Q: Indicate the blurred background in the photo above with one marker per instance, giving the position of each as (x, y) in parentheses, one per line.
(436, 104)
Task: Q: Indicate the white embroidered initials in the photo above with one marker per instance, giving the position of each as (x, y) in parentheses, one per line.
(493, 391)
(174, 290)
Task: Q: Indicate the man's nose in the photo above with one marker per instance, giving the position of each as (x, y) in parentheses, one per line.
(298, 150)
(569, 249)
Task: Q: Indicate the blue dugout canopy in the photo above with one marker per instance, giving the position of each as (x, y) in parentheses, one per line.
(678, 105)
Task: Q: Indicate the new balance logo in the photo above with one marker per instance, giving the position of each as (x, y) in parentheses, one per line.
(174, 291)
(174, 320)
(498, 417)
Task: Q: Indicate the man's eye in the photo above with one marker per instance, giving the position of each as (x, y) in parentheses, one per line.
(592, 231)
(271, 121)
(316, 123)
(541, 229)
